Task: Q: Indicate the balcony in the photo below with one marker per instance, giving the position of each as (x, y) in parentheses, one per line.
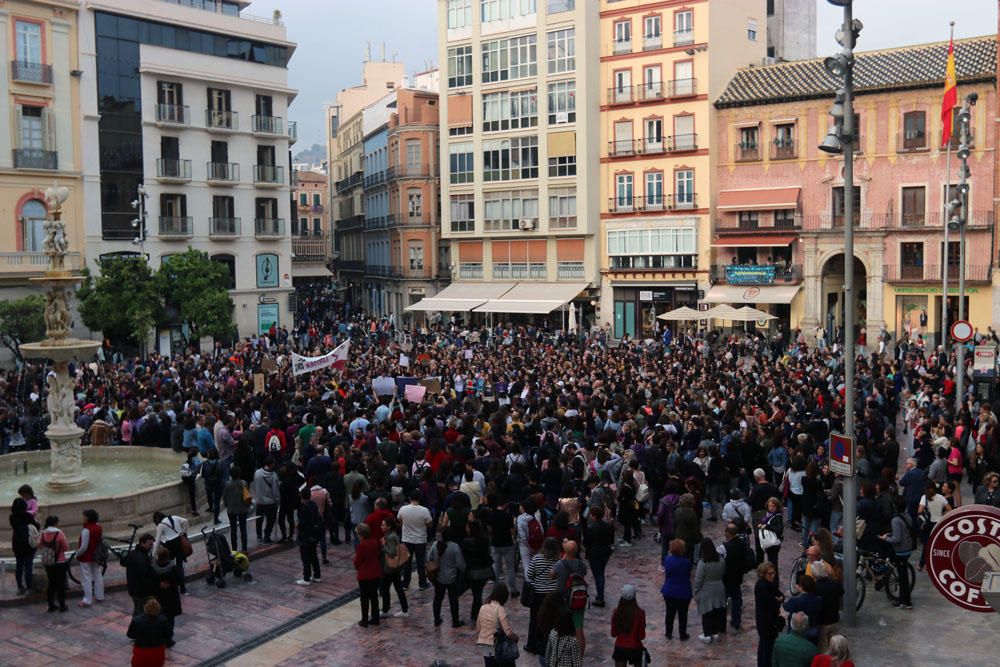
(223, 228)
(350, 265)
(33, 263)
(623, 147)
(221, 119)
(173, 170)
(620, 95)
(273, 125)
(228, 9)
(35, 158)
(520, 271)
(269, 228)
(383, 271)
(310, 248)
(974, 273)
(652, 203)
(410, 171)
(893, 273)
(746, 151)
(653, 146)
(867, 221)
(652, 42)
(682, 88)
(651, 91)
(376, 222)
(569, 271)
(176, 227)
(174, 114)
(621, 46)
(293, 131)
(734, 224)
(783, 150)
(222, 172)
(377, 178)
(913, 141)
(350, 223)
(683, 37)
(28, 72)
(268, 174)
(351, 181)
(470, 271)
(750, 274)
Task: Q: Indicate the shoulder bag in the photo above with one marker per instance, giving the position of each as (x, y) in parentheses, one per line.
(504, 648)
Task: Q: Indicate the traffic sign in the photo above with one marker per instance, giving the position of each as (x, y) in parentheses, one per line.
(841, 455)
(961, 330)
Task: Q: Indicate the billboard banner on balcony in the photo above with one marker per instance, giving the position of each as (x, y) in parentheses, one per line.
(750, 275)
(337, 358)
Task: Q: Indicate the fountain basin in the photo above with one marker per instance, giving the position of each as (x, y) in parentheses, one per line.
(123, 484)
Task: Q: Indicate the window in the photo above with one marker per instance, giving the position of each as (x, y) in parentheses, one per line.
(220, 105)
(653, 248)
(683, 28)
(414, 205)
(562, 51)
(654, 190)
(562, 102)
(914, 199)
(414, 152)
(911, 260)
(303, 199)
(652, 35)
(505, 211)
(463, 217)
(622, 92)
(28, 49)
(652, 86)
(300, 227)
(856, 124)
(266, 208)
(459, 13)
(748, 148)
(784, 141)
(752, 30)
(317, 199)
(684, 188)
(510, 110)
(683, 79)
(562, 166)
(749, 221)
(460, 66)
(499, 10)
(954, 258)
(506, 159)
(173, 206)
(623, 192)
(838, 205)
(557, 6)
(34, 215)
(562, 208)
(461, 167)
(785, 219)
(914, 130)
(416, 253)
(32, 128)
(684, 136)
(623, 37)
(523, 56)
(622, 145)
(652, 141)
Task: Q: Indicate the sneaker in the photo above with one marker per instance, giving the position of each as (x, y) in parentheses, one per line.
(401, 614)
(315, 580)
(623, 543)
(705, 639)
(303, 582)
(83, 604)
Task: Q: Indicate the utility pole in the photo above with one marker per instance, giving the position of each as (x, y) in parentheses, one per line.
(840, 140)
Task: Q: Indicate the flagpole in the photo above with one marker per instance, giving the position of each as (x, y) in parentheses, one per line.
(944, 223)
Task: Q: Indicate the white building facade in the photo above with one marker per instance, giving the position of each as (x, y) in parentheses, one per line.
(191, 103)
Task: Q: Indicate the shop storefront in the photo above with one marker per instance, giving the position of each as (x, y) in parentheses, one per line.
(917, 309)
(636, 307)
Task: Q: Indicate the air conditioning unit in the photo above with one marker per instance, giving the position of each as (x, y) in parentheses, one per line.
(528, 224)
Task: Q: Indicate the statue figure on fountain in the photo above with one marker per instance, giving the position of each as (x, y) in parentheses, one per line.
(57, 316)
(61, 402)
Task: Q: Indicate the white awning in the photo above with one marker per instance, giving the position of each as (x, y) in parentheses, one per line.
(537, 298)
(316, 271)
(462, 297)
(752, 293)
(446, 305)
(517, 306)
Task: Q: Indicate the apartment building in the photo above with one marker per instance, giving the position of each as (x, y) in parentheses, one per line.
(39, 93)
(661, 65)
(345, 150)
(189, 101)
(791, 29)
(312, 237)
(519, 136)
(778, 232)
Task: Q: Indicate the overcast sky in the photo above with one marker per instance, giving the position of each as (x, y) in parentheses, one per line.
(332, 36)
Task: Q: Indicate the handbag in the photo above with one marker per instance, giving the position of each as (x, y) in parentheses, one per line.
(767, 538)
(527, 594)
(247, 498)
(504, 648)
(400, 559)
(183, 542)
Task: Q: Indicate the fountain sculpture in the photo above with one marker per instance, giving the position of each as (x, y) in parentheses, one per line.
(63, 433)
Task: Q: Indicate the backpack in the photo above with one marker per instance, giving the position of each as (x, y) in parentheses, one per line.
(576, 592)
(273, 443)
(210, 471)
(33, 535)
(102, 553)
(49, 550)
(535, 534)
(750, 562)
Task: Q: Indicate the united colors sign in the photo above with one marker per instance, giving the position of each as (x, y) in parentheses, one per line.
(964, 550)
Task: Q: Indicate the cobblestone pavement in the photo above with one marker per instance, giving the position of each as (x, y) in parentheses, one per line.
(219, 621)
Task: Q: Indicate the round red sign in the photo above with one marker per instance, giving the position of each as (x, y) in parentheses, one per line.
(964, 546)
(751, 293)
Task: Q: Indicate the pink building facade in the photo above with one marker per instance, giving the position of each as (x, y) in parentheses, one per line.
(779, 199)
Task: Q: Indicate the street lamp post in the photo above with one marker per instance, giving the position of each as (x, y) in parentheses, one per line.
(959, 210)
(841, 139)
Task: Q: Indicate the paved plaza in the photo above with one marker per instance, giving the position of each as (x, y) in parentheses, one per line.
(240, 625)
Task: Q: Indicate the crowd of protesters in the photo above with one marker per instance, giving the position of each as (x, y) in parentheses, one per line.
(536, 455)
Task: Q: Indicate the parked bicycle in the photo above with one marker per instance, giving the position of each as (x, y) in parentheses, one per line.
(872, 566)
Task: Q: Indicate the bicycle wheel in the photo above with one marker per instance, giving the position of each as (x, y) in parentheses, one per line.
(798, 567)
(69, 570)
(912, 571)
(860, 590)
(892, 585)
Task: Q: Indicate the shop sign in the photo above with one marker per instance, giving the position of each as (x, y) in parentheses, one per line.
(645, 295)
(749, 275)
(963, 552)
(984, 359)
(928, 289)
(267, 314)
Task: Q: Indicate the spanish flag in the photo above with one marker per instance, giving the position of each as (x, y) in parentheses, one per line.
(950, 94)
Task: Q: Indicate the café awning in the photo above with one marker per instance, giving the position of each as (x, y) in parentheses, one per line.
(752, 293)
(462, 297)
(760, 199)
(533, 298)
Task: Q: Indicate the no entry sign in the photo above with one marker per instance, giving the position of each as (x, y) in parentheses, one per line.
(961, 330)
(964, 550)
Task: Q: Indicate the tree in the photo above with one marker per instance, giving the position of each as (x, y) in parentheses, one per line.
(122, 301)
(195, 286)
(22, 321)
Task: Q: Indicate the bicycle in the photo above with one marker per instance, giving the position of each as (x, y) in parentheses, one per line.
(871, 567)
(122, 553)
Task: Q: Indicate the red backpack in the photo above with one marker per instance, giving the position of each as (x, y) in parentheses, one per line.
(576, 593)
(535, 534)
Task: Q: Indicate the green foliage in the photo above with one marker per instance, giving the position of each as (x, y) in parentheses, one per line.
(22, 321)
(122, 301)
(195, 287)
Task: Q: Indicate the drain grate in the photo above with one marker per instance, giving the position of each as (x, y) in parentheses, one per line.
(284, 628)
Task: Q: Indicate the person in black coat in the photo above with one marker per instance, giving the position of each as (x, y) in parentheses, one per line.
(598, 542)
(737, 563)
(151, 633)
(767, 602)
(166, 580)
(138, 573)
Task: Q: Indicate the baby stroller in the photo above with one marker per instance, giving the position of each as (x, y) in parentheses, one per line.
(222, 560)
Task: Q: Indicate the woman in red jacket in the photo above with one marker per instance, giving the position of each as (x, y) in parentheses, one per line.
(368, 563)
(628, 627)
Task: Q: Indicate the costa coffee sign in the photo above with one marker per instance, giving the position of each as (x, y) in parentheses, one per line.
(964, 549)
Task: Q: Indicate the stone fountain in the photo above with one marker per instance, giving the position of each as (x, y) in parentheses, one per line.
(63, 433)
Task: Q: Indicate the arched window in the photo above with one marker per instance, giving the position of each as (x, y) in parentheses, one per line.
(230, 263)
(33, 217)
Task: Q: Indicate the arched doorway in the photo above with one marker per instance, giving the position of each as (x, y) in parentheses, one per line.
(832, 295)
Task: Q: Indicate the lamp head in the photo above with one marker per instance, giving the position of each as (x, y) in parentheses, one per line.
(831, 143)
(963, 189)
(963, 152)
(837, 65)
(955, 224)
(840, 3)
(964, 116)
